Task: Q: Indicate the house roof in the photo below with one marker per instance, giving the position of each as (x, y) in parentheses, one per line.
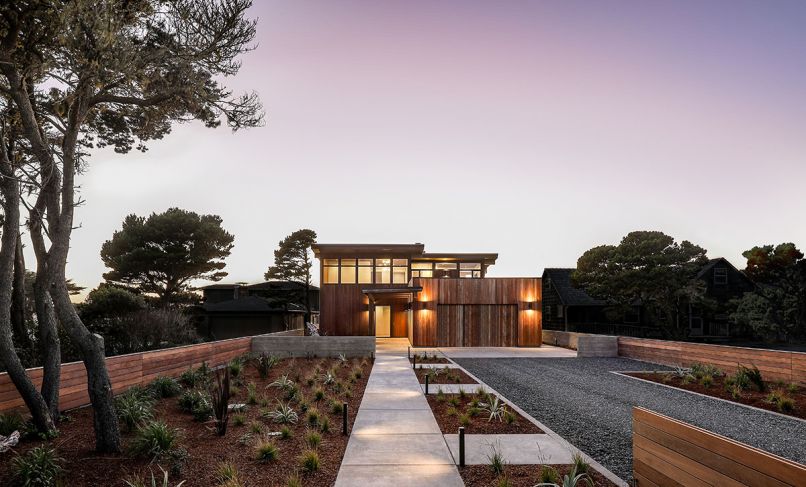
(274, 285)
(251, 304)
(415, 251)
(569, 295)
(711, 263)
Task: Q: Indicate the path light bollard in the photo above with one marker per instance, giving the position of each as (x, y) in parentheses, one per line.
(408, 353)
(344, 420)
(426, 385)
(461, 446)
(414, 362)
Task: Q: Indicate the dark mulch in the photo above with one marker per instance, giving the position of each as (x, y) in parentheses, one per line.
(431, 359)
(449, 421)
(206, 450)
(751, 397)
(444, 375)
(519, 476)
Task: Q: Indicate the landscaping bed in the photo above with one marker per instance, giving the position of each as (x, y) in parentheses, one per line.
(773, 398)
(522, 476)
(473, 410)
(444, 375)
(310, 448)
(425, 358)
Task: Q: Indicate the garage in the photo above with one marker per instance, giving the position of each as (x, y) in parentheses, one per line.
(477, 325)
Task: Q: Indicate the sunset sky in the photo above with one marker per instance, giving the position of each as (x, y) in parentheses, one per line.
(535, 129)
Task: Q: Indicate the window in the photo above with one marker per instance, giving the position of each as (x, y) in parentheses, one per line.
(422, 266)
(330, 274)
(400, 262)
(383, 275)
(560, 311)
(383, 262)
(473, 266)
(365, 271)
(422, 273)
(445, 266)
(347, 275)
(400, 275)
(720, 275)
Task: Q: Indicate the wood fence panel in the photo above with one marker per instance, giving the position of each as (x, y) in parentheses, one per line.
(670, 452)
(126, 371)
(773, 364)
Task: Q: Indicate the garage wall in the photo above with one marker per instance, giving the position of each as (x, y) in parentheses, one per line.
(477, 312)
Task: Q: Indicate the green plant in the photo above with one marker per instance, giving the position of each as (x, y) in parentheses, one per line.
(264, 363)
(283, 414)
(329, 377)
(462, 394)
(699, 370)
(580, 464)
(509, 417)
(293, 481)
(575, 477)
(266, 451)
(220, 400)
(164, 386)
(735, 391)
(226, 472)
(154, 440)
(357, 373)
(342, 358)
(134, 408)
(196, 377)
(313, 439)
(238, 419)
(336, 407)
(781, 401)
(153, 482)
(687, 379)
(10, 423)
(706, 381)
(318, 394)
(464, 420)
(324, 424)
(246, 438)
(454, 401)
(753, 375)
(251, 393)
(792, 388)
(286, 433)
(548, 475)
(256, 427)
(309, 461)
(235, 366)
(41, 466)
(451, 411)
(503, 481)
(313, 416)
(283, 382)
(496, 459)
(494, 408)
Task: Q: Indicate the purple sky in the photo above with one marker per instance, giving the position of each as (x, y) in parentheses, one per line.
(532, 129)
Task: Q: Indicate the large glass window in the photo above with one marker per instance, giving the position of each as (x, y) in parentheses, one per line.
(347, 271)
(422, 265)
(383, 275)
(469, 270)
(445, 266)
(400, 275)
(330, 274)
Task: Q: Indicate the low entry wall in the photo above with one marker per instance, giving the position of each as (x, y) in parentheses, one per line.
(307, 346)
(585, 344)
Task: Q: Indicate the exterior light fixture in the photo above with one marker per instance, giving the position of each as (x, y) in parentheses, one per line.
(529, 305)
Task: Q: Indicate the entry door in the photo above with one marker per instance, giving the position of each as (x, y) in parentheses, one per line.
(383, 321)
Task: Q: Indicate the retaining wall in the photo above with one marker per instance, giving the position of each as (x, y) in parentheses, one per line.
(321, 346)
(586, 345)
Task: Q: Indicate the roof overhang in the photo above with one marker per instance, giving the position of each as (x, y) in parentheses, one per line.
(403, 292)
(358, 250)
(484, 258)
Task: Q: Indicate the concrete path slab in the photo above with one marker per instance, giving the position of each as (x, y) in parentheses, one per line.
(402, 475)
(400, 422)
(394, 400)
(397, 449)
(516, 449)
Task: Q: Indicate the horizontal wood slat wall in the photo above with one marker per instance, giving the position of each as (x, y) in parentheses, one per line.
(489, 312)
(773, 364)
(126, 371)
(670, 452)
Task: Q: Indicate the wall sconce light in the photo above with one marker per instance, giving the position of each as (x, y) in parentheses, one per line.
(529, 305)
(407, 307)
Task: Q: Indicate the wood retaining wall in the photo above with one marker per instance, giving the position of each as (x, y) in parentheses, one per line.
(670, 452)
(127, 370)
(773, 364)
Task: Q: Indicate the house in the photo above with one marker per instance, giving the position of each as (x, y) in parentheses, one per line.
(723, 283)
(567, 307)
(235, 310)
(433, 299)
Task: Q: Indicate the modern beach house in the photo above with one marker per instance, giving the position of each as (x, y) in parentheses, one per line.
(434, 299)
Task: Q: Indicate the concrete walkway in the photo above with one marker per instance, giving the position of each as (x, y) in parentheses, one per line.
(395, 438)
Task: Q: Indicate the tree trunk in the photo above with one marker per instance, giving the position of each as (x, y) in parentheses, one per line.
(49, 344)
(16, 371)
(18, 322)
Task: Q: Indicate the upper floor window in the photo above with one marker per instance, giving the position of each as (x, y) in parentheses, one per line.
(330, 271)
(365, 271)
(720, 275)
(470, 270)
(348, 272)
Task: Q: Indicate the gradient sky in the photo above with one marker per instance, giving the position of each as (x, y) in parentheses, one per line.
(532, 129)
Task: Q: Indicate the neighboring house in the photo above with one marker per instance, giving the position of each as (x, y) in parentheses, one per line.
(399, 290)
(724, 282)
(235, 310)
(567, 307)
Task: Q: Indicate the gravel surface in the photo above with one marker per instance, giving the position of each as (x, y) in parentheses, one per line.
(591, 408)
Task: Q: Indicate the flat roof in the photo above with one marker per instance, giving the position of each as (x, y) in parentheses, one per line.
(415, 251)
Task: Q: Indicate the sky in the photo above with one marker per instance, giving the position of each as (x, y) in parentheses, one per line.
(535, 129)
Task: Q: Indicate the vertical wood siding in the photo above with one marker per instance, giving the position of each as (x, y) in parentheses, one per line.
(670, 452)
(126, 371)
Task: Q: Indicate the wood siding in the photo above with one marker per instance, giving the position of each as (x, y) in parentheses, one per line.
(670, 452)
(345, 309)
(773, 364)
(127, 370)
(477, 312)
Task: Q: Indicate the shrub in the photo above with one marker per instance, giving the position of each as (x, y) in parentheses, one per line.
(509, 417)
(226, 472)
(164, 386)
(357, 373)
(40, 466)
(781, 401)
(283, 383)
(548, 475)
(137, 482)
(154, 440)
(256, 427)
(464, 420)
(220, 400)
(134, 408)
(318, 394)
(313, 439)
(706, 381)
(574, 478)
(494, 408)
(735, 391)
(754, 376)
(10, 423)
(238, 419)
(196, 377)
(293, 481)
(324, 424)
(264, 363)
(235, 366)
(496, 459)
(454, 401)
(313, 416)
(504, 481)
(309, 461)
(283, 414)
(451, 411)
(792, 388)
(336, 407)
(700, 370)
(286, 433)
(329, 377)
(462, 394)
(580, 464)
(266, 451)
(251, 393)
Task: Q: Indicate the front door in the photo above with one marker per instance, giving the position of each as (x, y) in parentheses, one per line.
(383, 321)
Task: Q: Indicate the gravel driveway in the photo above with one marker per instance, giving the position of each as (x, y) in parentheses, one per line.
(592, 408)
